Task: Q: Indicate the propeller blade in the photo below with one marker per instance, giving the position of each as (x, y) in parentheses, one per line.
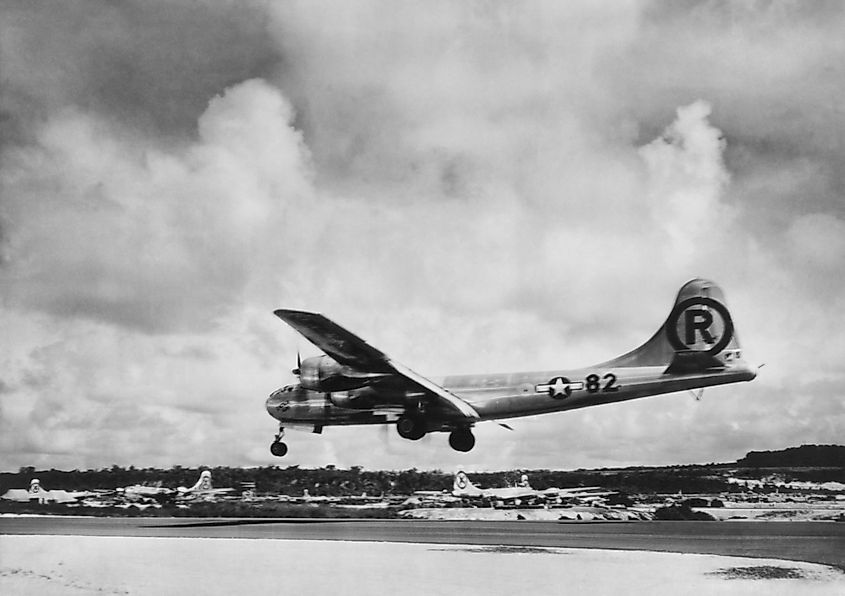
(298, 364)
(503, 425)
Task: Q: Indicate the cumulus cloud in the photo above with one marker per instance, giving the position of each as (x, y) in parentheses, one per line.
(687, 179)
(110, 232)
(479, 187)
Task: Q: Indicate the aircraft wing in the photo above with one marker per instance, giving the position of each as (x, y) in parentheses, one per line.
(342, 345)
(508, 494)
(348, 349)
(573, 490)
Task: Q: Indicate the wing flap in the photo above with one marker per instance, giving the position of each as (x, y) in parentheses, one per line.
(466, 410)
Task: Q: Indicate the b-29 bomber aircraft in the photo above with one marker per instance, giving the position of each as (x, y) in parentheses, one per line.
(463, 487)
(355, 383)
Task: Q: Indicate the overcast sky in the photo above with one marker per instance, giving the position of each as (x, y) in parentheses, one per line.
(470, 186)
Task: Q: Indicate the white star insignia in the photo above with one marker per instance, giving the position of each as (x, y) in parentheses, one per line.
(559, 386)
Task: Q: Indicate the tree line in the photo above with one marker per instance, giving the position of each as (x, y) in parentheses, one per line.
(827, 462)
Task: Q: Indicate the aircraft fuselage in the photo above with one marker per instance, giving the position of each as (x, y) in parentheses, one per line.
(502, 396)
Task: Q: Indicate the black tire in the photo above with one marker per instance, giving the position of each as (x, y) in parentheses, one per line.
(410, 427)
(278, 449)
(462, 440)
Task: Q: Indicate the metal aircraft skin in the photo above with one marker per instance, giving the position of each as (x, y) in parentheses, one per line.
(355, 383)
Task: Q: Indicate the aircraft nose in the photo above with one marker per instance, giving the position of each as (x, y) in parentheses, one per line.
(271, 403)
(276, 405)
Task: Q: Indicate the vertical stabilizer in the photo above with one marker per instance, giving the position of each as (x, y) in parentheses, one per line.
(37, 492)
(697, 335)
(203, 484)
(463, 487)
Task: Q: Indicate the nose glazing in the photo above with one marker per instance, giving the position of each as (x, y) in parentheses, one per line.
(276, 404)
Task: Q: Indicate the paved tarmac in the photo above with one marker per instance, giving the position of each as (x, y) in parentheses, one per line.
(816, 542)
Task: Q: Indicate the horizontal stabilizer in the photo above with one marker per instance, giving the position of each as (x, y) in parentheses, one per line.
(690, 362)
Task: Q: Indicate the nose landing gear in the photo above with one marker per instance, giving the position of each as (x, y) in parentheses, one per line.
(278, 448)
(461, 439)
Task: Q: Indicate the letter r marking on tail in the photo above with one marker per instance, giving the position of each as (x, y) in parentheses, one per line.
(696, 316)
(698, 320)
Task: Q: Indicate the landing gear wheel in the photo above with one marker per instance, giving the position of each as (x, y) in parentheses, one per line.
(410, 427)
(278, 448)
(462, 440)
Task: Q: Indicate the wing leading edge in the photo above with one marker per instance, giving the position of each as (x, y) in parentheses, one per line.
(348, 349)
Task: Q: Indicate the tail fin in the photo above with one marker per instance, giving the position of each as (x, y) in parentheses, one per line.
(37, 492)
(204, 483)
(698, 335)
(462, 483)
(35, 487)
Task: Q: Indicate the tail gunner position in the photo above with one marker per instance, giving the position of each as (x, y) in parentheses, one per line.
(355, 383)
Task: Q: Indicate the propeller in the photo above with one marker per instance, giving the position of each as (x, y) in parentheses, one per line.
(296, 371)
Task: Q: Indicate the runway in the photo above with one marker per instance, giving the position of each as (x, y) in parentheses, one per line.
(798, 541)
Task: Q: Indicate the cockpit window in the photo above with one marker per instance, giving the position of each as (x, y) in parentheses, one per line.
(285, 389)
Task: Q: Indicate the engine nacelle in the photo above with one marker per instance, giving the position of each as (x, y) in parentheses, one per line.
(359, 399)
(324, 374)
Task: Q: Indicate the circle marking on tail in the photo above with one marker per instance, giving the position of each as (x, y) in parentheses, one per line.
(695, 316)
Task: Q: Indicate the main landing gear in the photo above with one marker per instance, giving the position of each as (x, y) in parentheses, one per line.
(411, 426)
(278, 448)
(462, 439)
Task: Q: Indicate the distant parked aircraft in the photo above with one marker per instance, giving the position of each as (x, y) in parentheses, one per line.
(143, 493)
(577, 493)
(203, 488)
(38, 494)
(462, 487)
